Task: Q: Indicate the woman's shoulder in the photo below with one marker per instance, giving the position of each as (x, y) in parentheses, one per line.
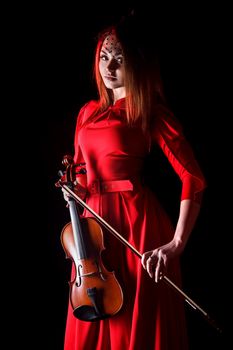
(166, 122)
(164, 113)
(86, 111)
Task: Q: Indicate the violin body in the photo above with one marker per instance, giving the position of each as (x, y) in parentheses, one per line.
(94, 292)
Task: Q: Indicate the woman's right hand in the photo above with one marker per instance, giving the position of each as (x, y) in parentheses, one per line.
(66, 195)
(79, 190)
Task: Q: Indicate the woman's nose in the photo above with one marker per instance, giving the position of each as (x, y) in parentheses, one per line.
(112, 65)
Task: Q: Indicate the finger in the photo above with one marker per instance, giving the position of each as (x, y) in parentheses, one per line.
(159, 271)
(159, 267)
(144, 259)
(150, 266)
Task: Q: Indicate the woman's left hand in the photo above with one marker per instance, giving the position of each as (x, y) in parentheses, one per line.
(156, 261)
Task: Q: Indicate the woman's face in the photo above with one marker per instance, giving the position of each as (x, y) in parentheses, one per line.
(111, 65)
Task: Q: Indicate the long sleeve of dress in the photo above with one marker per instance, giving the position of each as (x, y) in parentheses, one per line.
(78, 155)
(82, 117)
(168, 133)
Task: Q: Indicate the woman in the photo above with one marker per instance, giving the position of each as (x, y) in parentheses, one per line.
(114, 135)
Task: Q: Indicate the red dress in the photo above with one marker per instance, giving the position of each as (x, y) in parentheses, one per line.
(152, 316)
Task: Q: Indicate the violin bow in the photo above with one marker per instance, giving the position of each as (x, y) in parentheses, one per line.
(194, 305)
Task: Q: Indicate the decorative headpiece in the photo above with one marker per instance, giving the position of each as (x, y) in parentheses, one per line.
(111, 43)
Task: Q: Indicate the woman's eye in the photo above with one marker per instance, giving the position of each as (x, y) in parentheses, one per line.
(120, 60)
(103, 57)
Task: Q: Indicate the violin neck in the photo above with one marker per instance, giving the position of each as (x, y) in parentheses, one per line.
(77, 230)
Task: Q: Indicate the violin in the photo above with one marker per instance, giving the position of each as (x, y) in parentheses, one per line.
(95, 292)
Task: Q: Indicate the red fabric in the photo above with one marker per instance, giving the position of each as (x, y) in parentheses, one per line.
(152, 316)
(168, 134)
(110, 186)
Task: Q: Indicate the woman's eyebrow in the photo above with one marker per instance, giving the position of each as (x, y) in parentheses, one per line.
(106, 52)
(103, 51)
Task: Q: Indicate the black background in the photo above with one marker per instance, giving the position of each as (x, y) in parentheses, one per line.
(50, 55)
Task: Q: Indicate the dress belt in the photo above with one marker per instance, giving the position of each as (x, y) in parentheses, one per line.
(99, 186)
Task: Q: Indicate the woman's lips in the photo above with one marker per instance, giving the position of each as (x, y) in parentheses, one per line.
(111, 78)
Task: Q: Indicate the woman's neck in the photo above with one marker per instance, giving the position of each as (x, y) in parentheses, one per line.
(118, 94)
